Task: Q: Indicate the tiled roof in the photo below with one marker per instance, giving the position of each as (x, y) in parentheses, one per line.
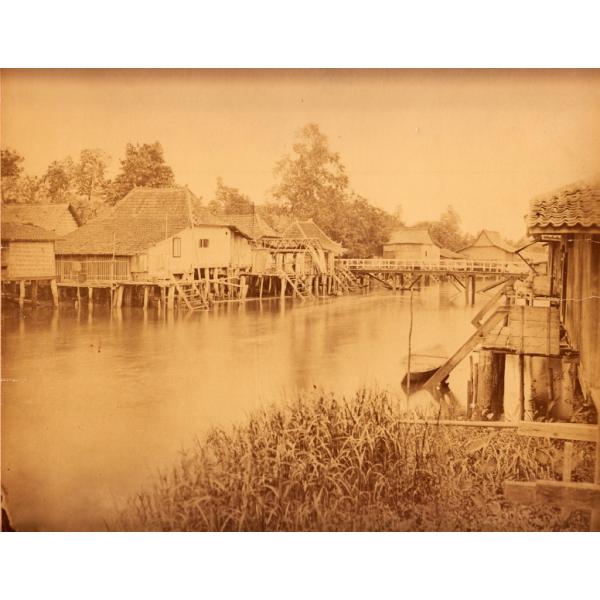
(24, 232)
(60, 218)
(446, 253)
(143, 218)
(487, 237)
(253, 225)
(309, 229)
(411, 235)
(575, 207)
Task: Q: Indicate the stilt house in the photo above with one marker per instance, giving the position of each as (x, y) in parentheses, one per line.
(413, 244)
(569, 221)
(489, 246)
(152, 234)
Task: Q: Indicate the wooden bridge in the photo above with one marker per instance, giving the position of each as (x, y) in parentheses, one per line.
(437, 267)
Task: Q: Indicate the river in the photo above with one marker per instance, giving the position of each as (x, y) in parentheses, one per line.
(94, 404)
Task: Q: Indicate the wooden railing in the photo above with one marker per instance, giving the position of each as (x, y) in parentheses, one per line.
(381, 265)
(92, 270)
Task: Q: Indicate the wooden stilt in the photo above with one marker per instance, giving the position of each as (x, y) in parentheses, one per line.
(243, 288)
(146, 292)
(120, 291)
(34, 292)
(260, 290)
(78, 300)
(283, 283)
(21, 294)
(90, 297)
(521, 387)
(171, 298)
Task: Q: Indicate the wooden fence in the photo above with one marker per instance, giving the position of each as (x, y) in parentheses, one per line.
(97, 269)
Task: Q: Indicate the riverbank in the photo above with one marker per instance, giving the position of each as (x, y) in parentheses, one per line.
(323, 462)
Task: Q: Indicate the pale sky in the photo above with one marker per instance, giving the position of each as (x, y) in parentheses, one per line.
(484, 141)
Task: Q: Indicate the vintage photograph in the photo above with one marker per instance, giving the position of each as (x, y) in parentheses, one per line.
(291, 300)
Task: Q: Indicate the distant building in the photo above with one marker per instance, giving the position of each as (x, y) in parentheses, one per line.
(253, 225)
(27, 252)
(58, 218)
(152, 233)
(569, 220)
(489, 246)
(326, 249)
(446, 254)
(411, 243)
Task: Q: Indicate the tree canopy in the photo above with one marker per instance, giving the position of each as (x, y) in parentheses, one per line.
(446, 232)
(229, 200)
(143, 165)
(312, 183)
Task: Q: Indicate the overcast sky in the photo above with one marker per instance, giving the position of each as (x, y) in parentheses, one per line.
(484, 141)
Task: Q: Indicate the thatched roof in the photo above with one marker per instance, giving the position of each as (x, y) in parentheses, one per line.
(575, 208)
(60, 218)
(309, 229)
(24, 232)
(411, 235)
(488, 238)
(253, 225)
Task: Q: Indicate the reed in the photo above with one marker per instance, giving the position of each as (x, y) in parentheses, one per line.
(321, 464)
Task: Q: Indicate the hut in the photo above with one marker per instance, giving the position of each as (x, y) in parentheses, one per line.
(411, 243)
(253, 225)
(58, 218)
(489, 246)
(27, 259)
(569, 221)
(152, 233)
(321, 244)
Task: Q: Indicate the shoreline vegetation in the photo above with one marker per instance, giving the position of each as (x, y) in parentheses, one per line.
(322, 463)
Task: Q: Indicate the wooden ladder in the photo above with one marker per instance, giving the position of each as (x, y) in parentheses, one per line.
(191, 295)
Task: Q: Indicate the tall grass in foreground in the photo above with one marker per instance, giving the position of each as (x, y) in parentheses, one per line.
(326, 464)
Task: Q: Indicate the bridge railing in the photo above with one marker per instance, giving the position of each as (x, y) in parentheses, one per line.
(442, 265)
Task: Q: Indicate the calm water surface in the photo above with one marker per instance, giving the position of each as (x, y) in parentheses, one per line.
(94, 404)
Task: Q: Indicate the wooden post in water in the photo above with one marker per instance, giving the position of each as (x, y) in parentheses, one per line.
(171, 297)
(473, 285)
(243, 287)
(163, 298)
(282, 289)
(120, 291)
(21, 294)
(90, 297)
(260, 289)
(34, 292)
(78, 300)
(146, 292)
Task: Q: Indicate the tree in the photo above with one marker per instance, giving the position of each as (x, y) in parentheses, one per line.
(447, 232)
(58, 181)
(143, 165)
(90, 172)
(312, 182)
(229, 200)
(11, 169)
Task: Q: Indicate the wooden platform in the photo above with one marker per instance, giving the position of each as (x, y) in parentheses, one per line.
(530, 330)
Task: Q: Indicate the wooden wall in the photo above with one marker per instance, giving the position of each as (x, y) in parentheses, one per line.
(581, 308)
(30, 260)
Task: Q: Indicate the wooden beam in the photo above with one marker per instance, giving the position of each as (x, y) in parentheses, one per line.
(576, 496)
(488, 306)
(491, 286)
(391, 287)
(464, 350)
(579, 432)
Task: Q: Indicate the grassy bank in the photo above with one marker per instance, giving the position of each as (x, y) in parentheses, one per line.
(326, 464)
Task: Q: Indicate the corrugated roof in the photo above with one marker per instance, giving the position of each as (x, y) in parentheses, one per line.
(141, 219)
(493, 239)
(24, 232)
(411, 235)
(309, 229)
(253, 225)
(60, 218)
(576, 207)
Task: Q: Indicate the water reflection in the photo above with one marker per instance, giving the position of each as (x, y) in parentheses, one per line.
(95, 402)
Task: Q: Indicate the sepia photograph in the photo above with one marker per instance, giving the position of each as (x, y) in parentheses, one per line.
(300, 300)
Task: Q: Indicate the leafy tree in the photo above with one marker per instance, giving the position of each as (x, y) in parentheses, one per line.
(90, 173)
(229, 200)
(58, 181)
(143, 165)
(313, 184)
(10, 169)
(447, 231)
